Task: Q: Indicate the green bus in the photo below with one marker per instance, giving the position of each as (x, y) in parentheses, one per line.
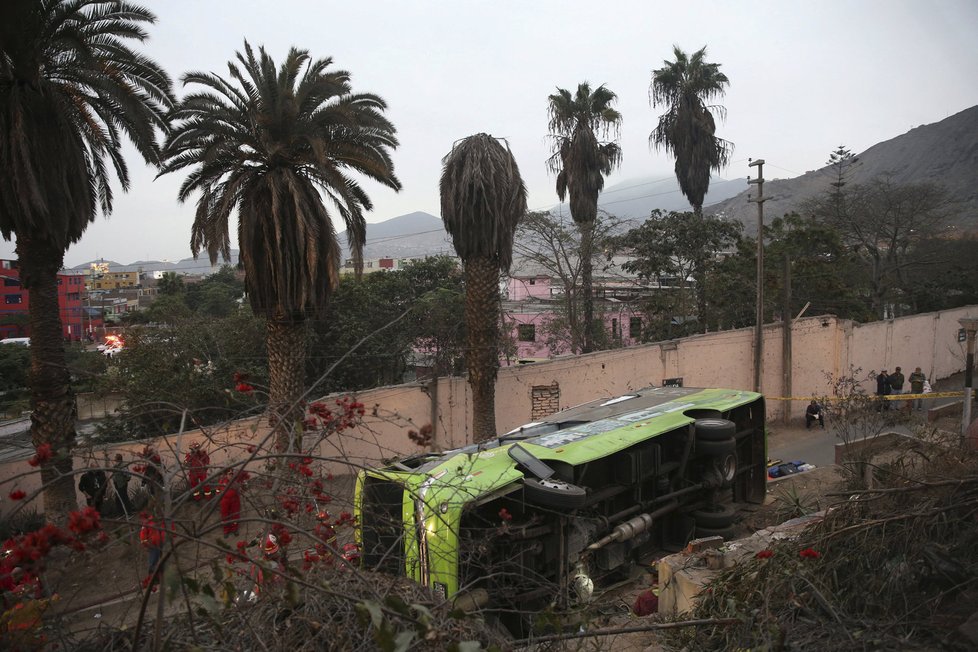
(546, 512)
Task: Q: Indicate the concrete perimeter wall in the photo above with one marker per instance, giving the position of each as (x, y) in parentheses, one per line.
(824, 349)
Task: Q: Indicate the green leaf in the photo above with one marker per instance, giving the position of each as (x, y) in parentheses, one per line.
(373, 611)
(397, 605)
(210, 604)
(466, 646)
(403, 641)
(292, 594)
(171, 582)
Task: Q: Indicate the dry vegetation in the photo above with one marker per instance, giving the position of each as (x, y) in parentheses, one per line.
(892, 567)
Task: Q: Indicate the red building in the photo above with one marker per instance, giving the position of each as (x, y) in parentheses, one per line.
(76, 320)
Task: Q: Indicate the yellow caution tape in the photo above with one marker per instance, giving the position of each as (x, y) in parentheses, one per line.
(888, 397)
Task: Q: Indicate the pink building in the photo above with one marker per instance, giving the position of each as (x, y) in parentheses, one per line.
(533, 301)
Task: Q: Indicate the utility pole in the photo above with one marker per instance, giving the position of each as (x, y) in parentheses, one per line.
(759, 325)
(970, 326)
(786, 341)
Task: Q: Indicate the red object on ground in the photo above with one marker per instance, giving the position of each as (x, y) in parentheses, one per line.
(646, 603)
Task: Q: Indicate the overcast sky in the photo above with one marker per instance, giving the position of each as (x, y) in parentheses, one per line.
(805, 77)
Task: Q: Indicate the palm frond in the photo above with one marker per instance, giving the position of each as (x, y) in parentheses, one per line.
(278, 145)
(483, 198)
(687, 129)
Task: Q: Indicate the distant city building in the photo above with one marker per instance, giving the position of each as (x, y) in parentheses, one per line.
(77, 320)
(100, 277)
(376, 265)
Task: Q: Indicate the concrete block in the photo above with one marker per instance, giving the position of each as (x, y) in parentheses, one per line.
(680, 583)
(706, 543)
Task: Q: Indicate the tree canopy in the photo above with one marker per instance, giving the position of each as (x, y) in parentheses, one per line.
(687, 129)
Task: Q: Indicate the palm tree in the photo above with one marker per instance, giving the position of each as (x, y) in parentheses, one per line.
(272, 143)
(70, 89)
(581, 162)
(170, 283)
(483, 199)
(687, 128)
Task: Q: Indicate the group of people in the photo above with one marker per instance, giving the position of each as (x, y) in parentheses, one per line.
(94, 483)
(889, 384)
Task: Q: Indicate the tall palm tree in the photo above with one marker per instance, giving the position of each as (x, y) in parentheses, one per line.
(687, 128)
(271, 144)
(170, 283)
(70, 89)
(581, 161)
(483, 199)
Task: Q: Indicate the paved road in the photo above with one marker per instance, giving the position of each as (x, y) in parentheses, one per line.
(817, 446)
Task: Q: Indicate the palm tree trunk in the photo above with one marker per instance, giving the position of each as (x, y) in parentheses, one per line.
(286, 345)
(482, 335)
(53, 407)
(587, 249)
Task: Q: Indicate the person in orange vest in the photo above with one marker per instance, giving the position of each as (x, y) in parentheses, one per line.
(151, 536)
(197, 461)
(270, 553)
(231, 500)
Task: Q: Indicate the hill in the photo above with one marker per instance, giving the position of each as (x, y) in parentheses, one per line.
(944, 152)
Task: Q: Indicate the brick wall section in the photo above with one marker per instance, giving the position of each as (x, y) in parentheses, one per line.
(544, 400)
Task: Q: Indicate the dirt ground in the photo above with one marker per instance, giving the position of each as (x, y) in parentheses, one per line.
(102, 586)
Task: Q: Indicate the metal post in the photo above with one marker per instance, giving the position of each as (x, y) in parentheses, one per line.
(786, 339)
(970, 326)
(759, 319)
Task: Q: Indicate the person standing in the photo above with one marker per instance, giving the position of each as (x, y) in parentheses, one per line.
(917, 380)
(896, 383)
(151, 536)
(120, 482)
(153, 474)
(230, 503)
(883, 390)
(197, 461)
(93, 484)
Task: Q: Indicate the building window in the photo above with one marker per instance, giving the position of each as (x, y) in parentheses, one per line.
(635, 328)
(533, 281)
(615, 331)
(11, 282)
(72, 296)
(12, 299)
(526, 332)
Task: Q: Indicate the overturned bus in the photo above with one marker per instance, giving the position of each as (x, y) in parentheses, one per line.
(544, 513)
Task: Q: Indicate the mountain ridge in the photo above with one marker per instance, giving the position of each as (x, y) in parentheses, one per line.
(944, 152)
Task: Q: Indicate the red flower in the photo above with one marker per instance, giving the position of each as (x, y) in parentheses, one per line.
(17, 494)
(764, 554)
(809, 553)
(244, 388)
(84, 521)
(42, 455)
(504, 515)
